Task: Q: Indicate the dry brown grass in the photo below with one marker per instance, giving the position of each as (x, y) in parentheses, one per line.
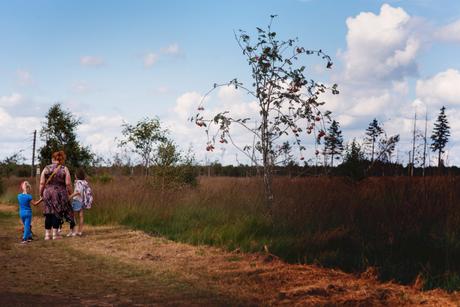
(399, 225)
(131, 267)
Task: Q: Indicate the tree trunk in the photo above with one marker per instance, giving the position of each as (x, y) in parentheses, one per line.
(372, 157)
(268, 180)
(268, 175)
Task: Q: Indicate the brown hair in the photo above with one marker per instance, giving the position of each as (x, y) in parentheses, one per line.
(80, 174)
(59, 156)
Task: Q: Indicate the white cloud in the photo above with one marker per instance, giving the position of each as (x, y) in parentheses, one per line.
(11, 100)
(150, 59)
(99, 132)
(186, 104)
(24, 77)
(163, 89)
(223, 99)
(16, 133)
(381, 47)
(450, 32)
(172, 49)
(92, 61)
(443, 88)
(81, 87)
(370, 105)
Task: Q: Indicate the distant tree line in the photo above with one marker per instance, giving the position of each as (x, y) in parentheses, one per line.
(374, 156)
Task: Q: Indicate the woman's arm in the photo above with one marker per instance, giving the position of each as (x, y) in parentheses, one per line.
(68, 181)
(42, 182)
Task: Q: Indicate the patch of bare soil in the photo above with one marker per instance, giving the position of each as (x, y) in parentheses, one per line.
(113, 265)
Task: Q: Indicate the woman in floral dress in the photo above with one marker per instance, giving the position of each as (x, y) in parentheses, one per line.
(55, 188)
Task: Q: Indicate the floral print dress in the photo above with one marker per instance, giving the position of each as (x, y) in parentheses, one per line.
(56, 199)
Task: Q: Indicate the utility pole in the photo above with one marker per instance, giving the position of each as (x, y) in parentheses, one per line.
(408, 164)
(424, 143)
(413, 146)
(32, 171)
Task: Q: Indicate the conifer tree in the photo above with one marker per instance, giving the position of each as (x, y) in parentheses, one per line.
(333, 142)
(373, 131)
(440, 136)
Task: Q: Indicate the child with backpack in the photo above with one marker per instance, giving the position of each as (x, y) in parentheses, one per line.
(82, 199)
(25, 211)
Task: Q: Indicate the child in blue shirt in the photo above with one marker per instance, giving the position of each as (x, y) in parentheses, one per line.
(25, 211)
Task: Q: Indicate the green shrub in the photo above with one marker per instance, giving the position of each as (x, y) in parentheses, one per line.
(102, 178)
(2, 187)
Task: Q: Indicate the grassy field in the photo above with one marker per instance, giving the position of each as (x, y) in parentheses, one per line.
(404, 227)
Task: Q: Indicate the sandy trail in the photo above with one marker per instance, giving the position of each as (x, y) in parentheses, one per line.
(112, 265)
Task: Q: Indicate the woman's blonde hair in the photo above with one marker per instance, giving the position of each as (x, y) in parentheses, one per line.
(59, 157)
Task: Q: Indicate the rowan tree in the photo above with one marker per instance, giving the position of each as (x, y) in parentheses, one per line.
(288, 101)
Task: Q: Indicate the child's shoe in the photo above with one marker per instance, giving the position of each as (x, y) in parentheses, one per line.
(47, 234)
(71, 234)
(24, 242)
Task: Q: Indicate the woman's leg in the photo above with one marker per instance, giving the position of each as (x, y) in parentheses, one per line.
(48, 221)
(56, 223)
(48, 225)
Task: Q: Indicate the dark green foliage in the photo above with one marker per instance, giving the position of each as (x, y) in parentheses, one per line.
(2, 187)
(102, 178)
(143, 138)
(333, 142)
(373, 131)
(440, 136)
(174, 169)
(167, 154)
(59, 133)
(387, 146)
(12, 165)
(354, 163)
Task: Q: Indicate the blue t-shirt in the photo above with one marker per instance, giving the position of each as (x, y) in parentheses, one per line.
(24, 202)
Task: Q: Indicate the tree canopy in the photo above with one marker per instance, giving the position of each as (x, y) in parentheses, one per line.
(59, 133)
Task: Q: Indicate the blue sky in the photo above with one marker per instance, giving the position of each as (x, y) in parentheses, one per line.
(115, 61)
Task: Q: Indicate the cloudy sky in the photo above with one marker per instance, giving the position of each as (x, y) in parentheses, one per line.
(110, 62)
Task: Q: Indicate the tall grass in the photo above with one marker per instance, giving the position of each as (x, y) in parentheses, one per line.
(403, 226)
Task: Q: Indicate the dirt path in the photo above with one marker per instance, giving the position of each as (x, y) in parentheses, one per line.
(117, 266)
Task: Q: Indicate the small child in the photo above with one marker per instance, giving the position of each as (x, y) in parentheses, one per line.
(25, 211)
(82, 199)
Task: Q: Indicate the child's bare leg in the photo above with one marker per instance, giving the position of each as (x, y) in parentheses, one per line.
(80, 222)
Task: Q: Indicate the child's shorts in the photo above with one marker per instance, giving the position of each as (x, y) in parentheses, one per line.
(76, 205)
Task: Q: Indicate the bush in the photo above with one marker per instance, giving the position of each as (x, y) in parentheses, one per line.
(102, 178)
(174, 176)
(2, 187)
